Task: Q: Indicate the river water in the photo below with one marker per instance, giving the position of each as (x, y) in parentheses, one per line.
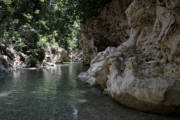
(57, 94)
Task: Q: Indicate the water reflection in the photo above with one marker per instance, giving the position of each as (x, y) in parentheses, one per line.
(56, 94)
(4, 94)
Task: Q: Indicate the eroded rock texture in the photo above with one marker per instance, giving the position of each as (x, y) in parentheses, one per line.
(143, 72)
(54, 55)
(110, 28)
(10, 59)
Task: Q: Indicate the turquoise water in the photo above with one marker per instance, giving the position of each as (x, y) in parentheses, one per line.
(57, 94)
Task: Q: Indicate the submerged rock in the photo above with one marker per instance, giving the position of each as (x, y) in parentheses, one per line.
(143, 72)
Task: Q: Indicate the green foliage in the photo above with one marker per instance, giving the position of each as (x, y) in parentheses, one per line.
(82, 9)
(7, 2)
(57, 22)
(33, 62)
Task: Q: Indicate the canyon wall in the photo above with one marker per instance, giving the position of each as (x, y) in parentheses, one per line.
(110, 28)
(138, 63)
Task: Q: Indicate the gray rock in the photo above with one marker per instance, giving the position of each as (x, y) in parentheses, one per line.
(9, 59)
(54, 55)
(76, 56)
(143, 72)
(109, 28)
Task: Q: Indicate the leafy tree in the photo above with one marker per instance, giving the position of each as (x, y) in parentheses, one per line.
(57, 21)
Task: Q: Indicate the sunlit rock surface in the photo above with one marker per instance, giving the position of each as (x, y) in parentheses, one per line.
(76, 56)
(10, 59)
(143, 72)
(55, 54)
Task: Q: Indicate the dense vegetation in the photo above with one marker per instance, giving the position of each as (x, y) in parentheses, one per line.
(55, 21)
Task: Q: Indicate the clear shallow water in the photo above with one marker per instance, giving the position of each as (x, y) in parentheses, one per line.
(57, 94)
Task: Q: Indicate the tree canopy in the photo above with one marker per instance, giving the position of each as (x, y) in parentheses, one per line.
(56, 21)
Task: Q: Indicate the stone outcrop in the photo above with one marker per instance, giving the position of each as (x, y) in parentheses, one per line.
(76, 56)
(54, 55)
(10, 59)
(110, 28)
(143, 72)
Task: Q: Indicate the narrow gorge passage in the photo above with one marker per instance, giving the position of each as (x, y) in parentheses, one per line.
(57, 94)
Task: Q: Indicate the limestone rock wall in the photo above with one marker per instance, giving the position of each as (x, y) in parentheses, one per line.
(10, 59)
(54, 55)
(143, 72)
(110, 28)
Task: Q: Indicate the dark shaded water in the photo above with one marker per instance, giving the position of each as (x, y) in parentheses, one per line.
(57, 94)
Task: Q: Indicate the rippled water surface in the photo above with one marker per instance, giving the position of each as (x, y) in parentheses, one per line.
(57, 94)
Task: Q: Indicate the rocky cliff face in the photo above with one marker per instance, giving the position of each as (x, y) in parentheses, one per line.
(110, 28)
(55, 54)
(143, 72)
(10, 59)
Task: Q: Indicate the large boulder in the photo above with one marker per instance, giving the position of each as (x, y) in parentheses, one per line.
(10, 59)
(143, 72)
(76, 56)
(5, 64)
(54, 55)
(130, 82)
